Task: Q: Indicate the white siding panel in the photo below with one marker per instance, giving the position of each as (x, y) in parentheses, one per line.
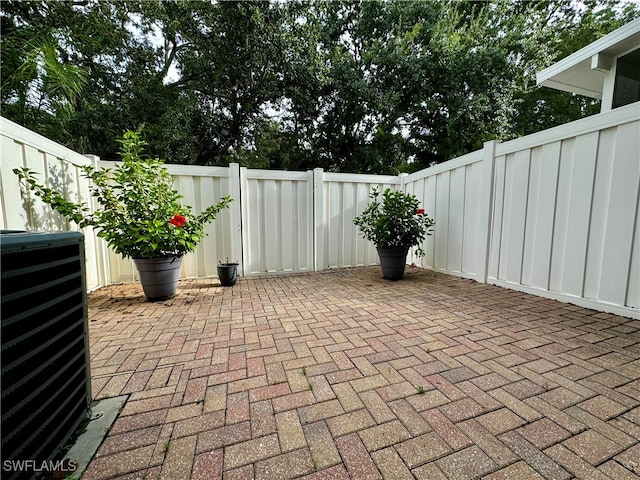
(345, 197)
(471, 217)
(272, 254)
(425, 190)
(599, 212)
(186, 186)
(442, 220)
(540, 215)
(559, 247)
(619, 227)
(633, 289)
(515, 210)
(333, 197)
(15, 212)
(456, 220)
(497, 216)
(363, 255)
(577, 236)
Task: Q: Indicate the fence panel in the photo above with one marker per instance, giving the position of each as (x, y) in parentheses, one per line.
(565, 212)
(345, 197)
(58, 168)
(555, 213)
(451, 194)
(200, 187)
(278, 221)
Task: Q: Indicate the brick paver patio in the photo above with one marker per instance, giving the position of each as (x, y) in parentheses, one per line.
(342, 374)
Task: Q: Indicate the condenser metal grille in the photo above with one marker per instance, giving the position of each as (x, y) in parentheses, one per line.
(45, 363)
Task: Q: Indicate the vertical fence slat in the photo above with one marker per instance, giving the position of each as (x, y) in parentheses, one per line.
(319, 260)
(575, 256)
(622, 217)
(545, 162)
(484, 211)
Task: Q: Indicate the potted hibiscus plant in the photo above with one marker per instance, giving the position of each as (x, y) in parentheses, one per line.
(138, 213)
(394, 224)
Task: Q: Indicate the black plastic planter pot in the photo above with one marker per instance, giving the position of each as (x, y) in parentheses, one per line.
(393, 261)
(228, 274)
(159, 276)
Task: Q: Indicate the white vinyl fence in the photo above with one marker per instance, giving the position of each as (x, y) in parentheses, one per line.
(555, 213)
(565, 218)
(58, 168)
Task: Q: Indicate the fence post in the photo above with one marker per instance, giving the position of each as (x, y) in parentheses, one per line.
(318, 219)
(237, 240)
(484, 214)
(402, 177)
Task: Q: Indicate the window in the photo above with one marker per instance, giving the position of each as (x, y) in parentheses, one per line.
(627, 84)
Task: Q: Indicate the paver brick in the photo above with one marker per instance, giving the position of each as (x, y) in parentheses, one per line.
(129, 441)
(449, 432)
(543, 433)
(514, 386)
(285, 466)
(462, 409)
(614, 470)
(377, 407)
(422, 449)
(606, 429)
(197, 424)
(337, 472)
(207, 466)
(369, 383)
(179, 460)
(517, 406)
(384, 435)
(183, 412)
(293, 400)
(322, 446)
(290, 431)
(519, 470)
(574, 464)
(320, 411)
(240, 473)
(119, 463)
(429, 471)
(500, 421)
(410, 418)
(469, 463)
(138, 421)
(251, 451)
(603, 407)
(223, 436)
(535, 458)
(592, 447)
(350, 422)
(391, 465)
(484, 439)
(356, 458)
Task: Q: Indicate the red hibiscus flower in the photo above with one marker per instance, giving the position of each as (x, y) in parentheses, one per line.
(178, 220)
(420, 211)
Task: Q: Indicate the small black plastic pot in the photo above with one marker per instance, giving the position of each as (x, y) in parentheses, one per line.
(228, 274)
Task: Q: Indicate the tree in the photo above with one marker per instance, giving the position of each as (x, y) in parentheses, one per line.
(359, 86)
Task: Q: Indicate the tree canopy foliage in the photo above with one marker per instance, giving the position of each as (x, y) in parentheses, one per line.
(358, 86)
